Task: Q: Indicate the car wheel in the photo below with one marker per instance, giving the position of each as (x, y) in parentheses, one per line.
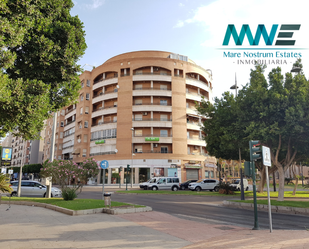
(14, 194)
(247, 188)
(216, 189)
(154, 188)
(174, 188)
(183, 188)
(238, 189)
(198, 189)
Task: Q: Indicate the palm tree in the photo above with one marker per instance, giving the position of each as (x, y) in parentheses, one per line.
(5, 183)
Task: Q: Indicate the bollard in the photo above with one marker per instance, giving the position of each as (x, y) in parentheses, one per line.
(107, 199)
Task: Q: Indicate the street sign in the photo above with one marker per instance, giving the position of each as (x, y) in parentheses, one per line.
(3, 170)
(104, 164)
(266, 156)
(10, 171)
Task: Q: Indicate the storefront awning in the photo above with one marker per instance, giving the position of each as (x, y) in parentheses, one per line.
(210, 165)
(76, 152)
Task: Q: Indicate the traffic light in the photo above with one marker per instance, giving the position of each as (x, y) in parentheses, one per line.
(248, 169)
(120, 168)
(254, 149)
(128, 168)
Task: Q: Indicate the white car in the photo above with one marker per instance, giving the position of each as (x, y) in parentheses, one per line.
(236, 184)
(144, 185)
(205, 184)
(33, 188)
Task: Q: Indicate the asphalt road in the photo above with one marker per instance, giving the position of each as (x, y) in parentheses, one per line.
(207, 209)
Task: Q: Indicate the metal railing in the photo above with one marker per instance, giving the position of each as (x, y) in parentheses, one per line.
(153, 151)
(152, 119)
(101, 93)
(102, 108)
(106, 78)
(154, 73)
(167, 104)
(102, 153)
(153, 88)
(100, 138)
(153, 135)
(102, 123)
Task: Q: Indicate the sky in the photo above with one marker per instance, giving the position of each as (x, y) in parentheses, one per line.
(196, 29)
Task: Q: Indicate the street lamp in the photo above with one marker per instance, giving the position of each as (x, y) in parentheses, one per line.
(295, 70)
(242, 196)
(132, 129)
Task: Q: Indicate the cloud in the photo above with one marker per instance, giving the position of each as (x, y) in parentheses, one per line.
(181, 5)
(95, 4)
(179, 24)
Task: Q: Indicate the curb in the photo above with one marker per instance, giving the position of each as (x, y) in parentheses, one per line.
(113, 211)
(262, 207)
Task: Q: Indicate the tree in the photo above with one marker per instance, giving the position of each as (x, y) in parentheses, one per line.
(5, 183)
(65, 172)
(275, 112)
(39, 47)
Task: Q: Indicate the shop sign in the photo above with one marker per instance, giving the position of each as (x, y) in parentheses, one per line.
(100, 142)
(194, 162)
(193, 166)
(151, 139)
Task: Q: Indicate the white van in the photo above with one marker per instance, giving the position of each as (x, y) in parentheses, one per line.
(144, 185)
(165, 183)
(236, 184)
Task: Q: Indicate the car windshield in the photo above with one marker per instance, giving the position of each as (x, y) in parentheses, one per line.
(236, 182)
(199, 180)
(153, 180)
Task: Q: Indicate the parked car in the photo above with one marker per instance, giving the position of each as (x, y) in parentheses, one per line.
(165, 183)
(185, 184)
(236, 184)
(205, 184)
(144, 185)
(33, 188)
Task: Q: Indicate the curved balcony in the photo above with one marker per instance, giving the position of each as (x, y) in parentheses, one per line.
(69, 125)
(104, 96)
(152, 76)
(193, 126)
(141, 139)
(195, 97)
(152, 92)
(104, 125)
(196, 142)
(104, 111)
(151, 122)
(70, 113)
(68, 149)
(105, 82)
(148, 107)
(197, 83)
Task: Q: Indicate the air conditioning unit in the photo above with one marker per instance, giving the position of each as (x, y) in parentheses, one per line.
(145, 113)
(155, 145)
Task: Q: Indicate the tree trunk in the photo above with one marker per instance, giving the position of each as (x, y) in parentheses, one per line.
(295, 186)
(281, 183)
(262, 181)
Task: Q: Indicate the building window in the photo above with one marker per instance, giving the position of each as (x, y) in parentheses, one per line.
(86, 109)
(138, 149)
(88, 82)
(59, 157)
(62, 124)
(163, 87)
(86, 124)
(85, 138)
(163, 133)
(138, 102)
(87, 96)
(84, 152)
(81, 110)
(138, 133)
(61, 134)
(206, 174)
(81, 97)
(163, 149)
(163, 117)
(163, 102)
(57, 124)
(115, 119)
(115, 104)
(138, 87)
(138, 117)
(211, 174)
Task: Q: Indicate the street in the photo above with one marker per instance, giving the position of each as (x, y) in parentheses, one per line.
(204, 209)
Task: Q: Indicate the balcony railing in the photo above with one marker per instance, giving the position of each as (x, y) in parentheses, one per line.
(101, 93)
(124, 74)
(154, 73)
(68, 111)
(152, 119)
(68, 134)
(152, 88)
(107, 78)
(102, 108)
(69, 123)
(148, 103)
(153, 151)
(100, 138)
(153, 135)
(192, 78)
(102, 153)
(102, 123)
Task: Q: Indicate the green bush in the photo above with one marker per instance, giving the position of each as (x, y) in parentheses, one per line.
(226, 188)
(69, 194)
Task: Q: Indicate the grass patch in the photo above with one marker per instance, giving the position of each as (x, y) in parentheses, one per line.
(300, 204)
(168, 192)
(77, 204)
(298, 194)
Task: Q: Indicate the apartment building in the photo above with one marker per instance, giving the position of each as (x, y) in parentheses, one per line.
(137, 109)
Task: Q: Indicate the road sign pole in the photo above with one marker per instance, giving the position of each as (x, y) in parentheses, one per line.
(256, 223)
(103, 180)
(269, 204)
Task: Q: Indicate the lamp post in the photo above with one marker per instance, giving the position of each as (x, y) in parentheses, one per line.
(242, 195)
(132, 129)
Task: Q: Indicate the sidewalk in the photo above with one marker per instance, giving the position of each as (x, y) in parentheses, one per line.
(33, 227)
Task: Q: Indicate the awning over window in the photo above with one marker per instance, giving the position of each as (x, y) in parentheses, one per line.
(76, 151)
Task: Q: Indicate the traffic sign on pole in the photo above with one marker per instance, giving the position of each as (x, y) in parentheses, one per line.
(104, 164)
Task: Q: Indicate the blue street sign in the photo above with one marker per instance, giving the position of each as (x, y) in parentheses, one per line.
(104, 164)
